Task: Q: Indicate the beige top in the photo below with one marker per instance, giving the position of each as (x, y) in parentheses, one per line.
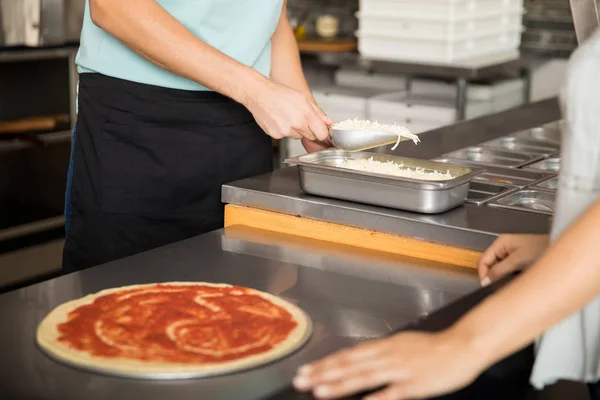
(571, 349)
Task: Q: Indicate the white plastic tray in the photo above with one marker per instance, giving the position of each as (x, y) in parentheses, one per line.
(408, 49)
(438, 111)
(452, 27)
(343, 103)
(358, 78)
(437, 8)
(476, 92)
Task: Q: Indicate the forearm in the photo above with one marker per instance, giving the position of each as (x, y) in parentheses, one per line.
(563, 281)
(286, 67)
(149, 30)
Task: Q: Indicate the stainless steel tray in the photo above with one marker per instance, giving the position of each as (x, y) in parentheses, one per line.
(537, 201)
(540, 134)
(483, 155)
(548, 184)
(524, 146)
(549, 164)
(502, 175)
(481, 193)
(321, 175)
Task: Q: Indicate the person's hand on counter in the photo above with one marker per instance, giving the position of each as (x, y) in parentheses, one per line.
(411, 365)
(510, 253)
(424, 365)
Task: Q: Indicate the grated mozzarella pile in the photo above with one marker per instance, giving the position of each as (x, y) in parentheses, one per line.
(365, 125)
(394, 169)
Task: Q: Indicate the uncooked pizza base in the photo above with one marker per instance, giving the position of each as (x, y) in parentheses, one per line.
(47, 338)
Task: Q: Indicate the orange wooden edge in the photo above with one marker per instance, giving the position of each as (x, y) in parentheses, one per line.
(350, 236)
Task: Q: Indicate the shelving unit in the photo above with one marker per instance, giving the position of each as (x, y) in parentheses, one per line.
(34, 161)
(462, 74)
(10, 55)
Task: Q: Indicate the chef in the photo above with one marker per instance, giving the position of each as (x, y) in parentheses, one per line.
(556, 300)
(175, 99)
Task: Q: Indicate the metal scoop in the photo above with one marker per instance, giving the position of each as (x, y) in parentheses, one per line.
(348, 140)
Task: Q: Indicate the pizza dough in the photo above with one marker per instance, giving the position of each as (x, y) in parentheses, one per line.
(173, 330)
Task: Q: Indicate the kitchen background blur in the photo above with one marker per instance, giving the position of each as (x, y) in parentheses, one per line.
(420, 63)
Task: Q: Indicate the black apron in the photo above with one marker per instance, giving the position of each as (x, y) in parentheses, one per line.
(148, 164)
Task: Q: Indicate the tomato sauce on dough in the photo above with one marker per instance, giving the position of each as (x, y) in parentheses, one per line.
(192, 324)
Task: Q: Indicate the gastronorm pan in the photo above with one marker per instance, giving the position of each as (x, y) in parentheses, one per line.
(490, 156)
(502, 175)
(549, 164)
(537, 201)
(548, 184)
(540, 134)
(322, 174)
(524, 146)
(481, 193)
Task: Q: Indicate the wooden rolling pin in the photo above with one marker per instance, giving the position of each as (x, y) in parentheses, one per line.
(41, 123)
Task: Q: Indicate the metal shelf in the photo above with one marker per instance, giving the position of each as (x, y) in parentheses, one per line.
(25, 54)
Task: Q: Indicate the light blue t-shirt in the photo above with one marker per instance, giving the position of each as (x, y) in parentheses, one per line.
(242, 29)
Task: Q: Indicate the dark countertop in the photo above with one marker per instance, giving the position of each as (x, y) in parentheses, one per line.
(469, 226)
(350, 294)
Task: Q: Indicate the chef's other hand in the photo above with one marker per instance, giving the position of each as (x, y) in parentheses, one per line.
(284, 112)
(314, 146)
(510, 253)
(410, 365)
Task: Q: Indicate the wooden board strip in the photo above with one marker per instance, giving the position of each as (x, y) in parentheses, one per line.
(351, 236)
(327, 46)
(43, 123)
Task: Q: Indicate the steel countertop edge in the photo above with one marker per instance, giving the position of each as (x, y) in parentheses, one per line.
(470, 226)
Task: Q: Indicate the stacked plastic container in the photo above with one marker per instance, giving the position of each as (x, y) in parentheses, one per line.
(439, 31)
(428, 104)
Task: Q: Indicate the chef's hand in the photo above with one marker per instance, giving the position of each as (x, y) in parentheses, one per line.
(284, 112)
(510, 253)
(412, 365)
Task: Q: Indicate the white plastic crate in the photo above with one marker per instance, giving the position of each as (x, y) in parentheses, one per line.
(478, 92)
(415, 126)
(357, 78)
(458, 27)
(343, 103)
(437, 111)
(501, 95)
(399, 48)
(437, 8)
(507, 102)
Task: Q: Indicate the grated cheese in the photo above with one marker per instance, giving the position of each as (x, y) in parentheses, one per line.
(394, 169)
(365, 125)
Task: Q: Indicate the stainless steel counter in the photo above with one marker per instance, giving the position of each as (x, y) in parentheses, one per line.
(350, 296)
(469, 226)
